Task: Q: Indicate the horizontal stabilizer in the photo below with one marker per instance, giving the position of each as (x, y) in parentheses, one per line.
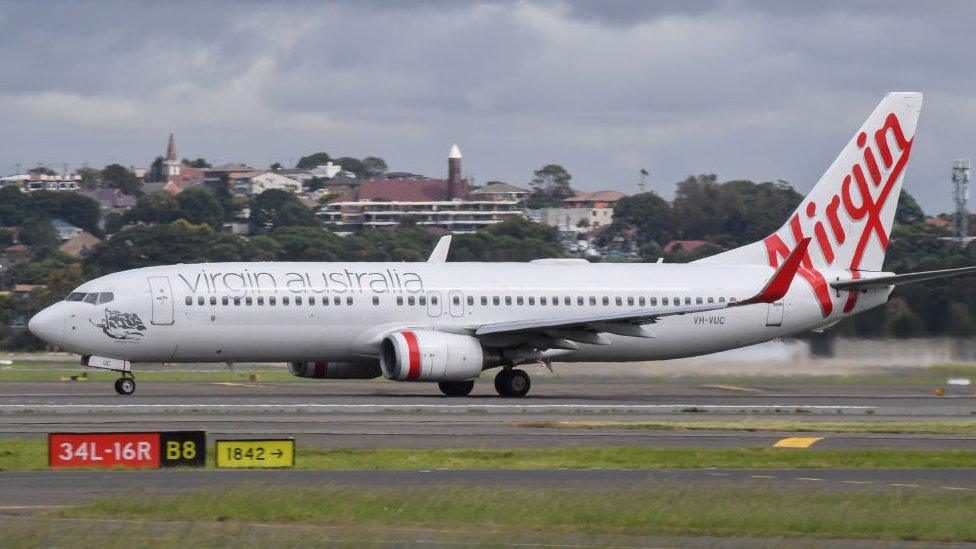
(891, 280)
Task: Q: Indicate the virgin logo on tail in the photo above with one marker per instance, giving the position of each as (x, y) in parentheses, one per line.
(855, 201)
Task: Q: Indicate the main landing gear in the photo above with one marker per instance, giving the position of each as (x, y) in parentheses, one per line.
(456, 388)
(125, 385)
(512, 383)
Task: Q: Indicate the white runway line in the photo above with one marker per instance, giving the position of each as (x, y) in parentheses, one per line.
(415, 407)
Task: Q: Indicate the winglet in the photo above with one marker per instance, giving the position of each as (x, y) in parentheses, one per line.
(779, 284)
(439, 255)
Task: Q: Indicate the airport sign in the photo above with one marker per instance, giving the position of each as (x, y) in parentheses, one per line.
(148, 450)
(274, 453)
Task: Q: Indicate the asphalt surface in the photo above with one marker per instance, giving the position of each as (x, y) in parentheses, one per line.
(386, 414)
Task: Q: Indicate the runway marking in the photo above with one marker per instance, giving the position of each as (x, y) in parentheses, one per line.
(811, 479)
(733, 388)
(474, 406)
(905, 485)
(958, 488)
(719, 474)
(857, 482)
(762, 476)
(797, 442)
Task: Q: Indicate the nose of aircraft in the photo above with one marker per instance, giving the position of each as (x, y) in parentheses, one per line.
(48, 325)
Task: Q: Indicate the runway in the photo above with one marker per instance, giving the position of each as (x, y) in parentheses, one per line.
(384, 414)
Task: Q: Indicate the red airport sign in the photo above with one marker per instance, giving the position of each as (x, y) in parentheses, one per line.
(133, 450)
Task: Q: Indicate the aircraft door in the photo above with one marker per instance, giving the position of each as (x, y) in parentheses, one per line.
(455, 303)
(162, 300)
(434, 305)
(774, 314)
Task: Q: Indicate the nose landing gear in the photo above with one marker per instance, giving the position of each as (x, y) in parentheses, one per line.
(125, 385)
(512, 383)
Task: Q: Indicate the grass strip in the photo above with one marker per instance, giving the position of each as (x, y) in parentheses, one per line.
(650, 510)
(31, 454)
(960, 427)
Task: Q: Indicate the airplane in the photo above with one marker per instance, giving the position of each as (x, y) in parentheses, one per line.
(445, 322)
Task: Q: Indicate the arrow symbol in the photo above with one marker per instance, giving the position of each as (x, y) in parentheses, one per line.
(277, 453)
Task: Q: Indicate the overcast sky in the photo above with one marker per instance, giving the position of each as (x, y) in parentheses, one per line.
(745, 90)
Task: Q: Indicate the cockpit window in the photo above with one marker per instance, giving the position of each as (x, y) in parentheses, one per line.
(75, 296)
(91, 298)
(105, 297)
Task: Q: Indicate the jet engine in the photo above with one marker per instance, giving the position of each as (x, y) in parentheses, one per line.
(424, 355)
(335, 370)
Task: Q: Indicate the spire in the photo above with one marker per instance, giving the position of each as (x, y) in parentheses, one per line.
(171, 148)
(455, 152)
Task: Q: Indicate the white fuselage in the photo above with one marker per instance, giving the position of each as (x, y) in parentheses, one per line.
(219, 312)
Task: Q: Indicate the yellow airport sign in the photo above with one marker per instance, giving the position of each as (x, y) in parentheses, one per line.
(252, 453)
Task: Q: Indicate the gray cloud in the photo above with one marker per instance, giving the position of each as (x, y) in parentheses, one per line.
(757, 90)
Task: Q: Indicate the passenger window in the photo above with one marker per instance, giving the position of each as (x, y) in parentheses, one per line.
(568, 301)
(653, 301)
(311, 300)
(508, 300)
(298, 300)
(260, 300)
(410, 300)
(711, 300)
(519, 300)
(592, 300)
(433, 300)
(247, 300)
(422, 300)
(555, 300)
(687, 301)
(456, 300)
(470, 300)
(284, 300)
(484, 300)
(399, 300)
(224, 300)
(376, 300)
(349, 300)
(237, 301)
(721, 299)
(75, 296)
(213, 300)
(606, 300)
(664, 301)
(200, 300)
(532, 300)
(630, 301)
(618, 301)
(494, 300)
(94, 298)
(698, 300)
(579, 300)
(542, 301)
(272, 300)
(105, 297)
(337, 300)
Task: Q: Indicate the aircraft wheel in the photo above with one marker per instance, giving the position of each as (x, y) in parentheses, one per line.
(456, 388)
(512, 383)
(125, 386)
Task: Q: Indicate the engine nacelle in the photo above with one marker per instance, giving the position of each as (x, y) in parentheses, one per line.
(335, 370)
(423, 355)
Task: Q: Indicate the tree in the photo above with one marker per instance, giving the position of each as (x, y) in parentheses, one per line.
(158, 207)
(198, 163)
(352, 165)
(119, 177)
(277, 166)
(308, 244)
(13, 206)
(150, 245)
(374, 166)
(552, 180)
(90, 177)
(313, 160)
(42, 170)
(156, 170)
(39, 233)
(199, 205)
(908, 210)
(78, 210)
(648, 213)
(276, 208)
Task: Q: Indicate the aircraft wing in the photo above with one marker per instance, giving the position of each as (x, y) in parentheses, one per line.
(587, 328)
(891, 280)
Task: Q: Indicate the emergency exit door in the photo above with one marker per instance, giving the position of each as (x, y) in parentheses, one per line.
(162, 300)
(774, 314)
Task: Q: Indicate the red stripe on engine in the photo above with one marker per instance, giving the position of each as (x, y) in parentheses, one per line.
(320, 369)
(413, 356)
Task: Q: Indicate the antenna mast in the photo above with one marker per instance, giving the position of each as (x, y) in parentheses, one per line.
(960, 181)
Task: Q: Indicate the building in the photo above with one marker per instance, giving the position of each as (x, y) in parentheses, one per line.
(174, 177)
(110, 200)
(579, 220)
(30, 182)
(598, 199)
(79, 246)
(498, 191)
(443, 203)
(254, 183)
(327, 170)
(65, 230)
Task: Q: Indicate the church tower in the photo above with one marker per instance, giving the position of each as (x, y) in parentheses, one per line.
(456, 186)
(171, 166)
